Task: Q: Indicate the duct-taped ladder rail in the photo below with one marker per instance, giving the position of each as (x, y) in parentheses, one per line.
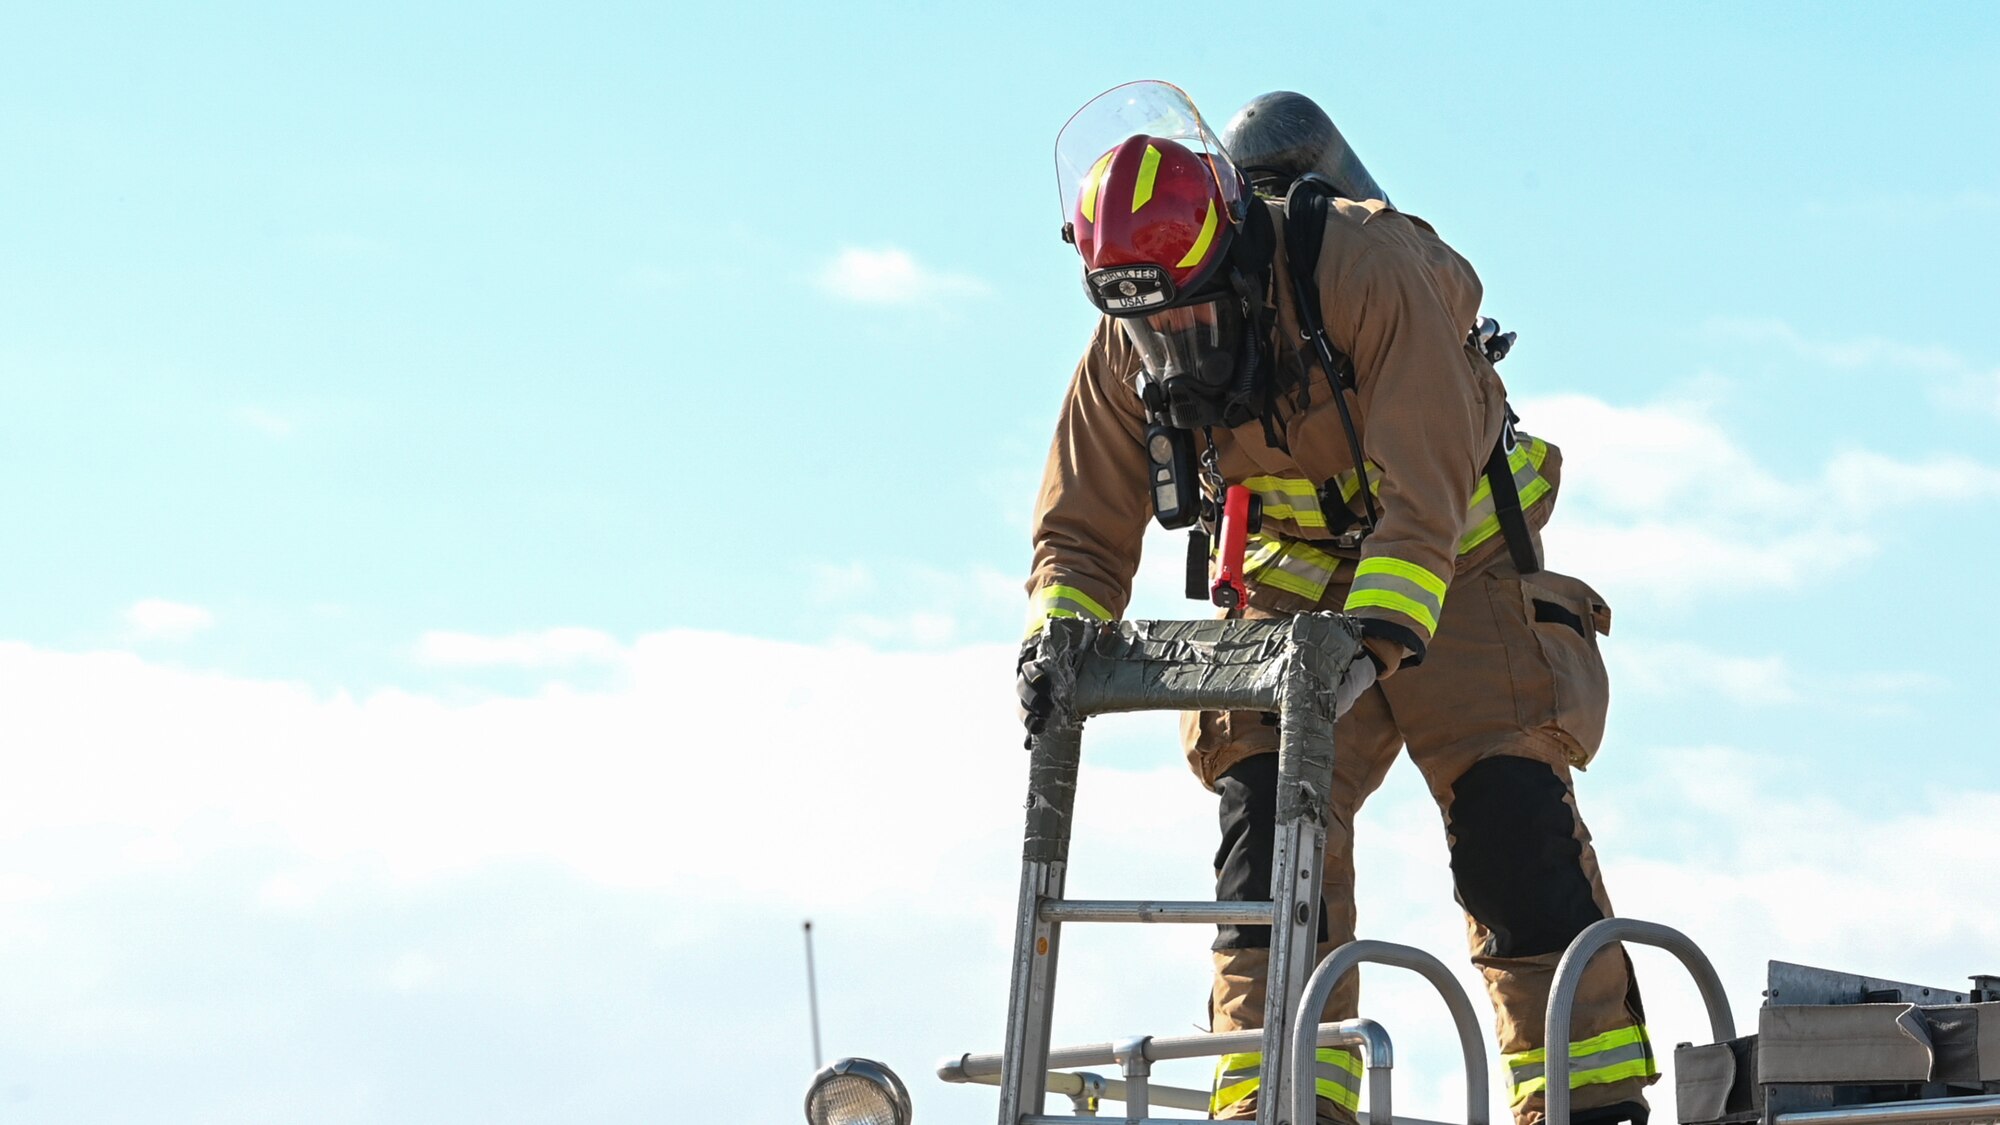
(1289, 666)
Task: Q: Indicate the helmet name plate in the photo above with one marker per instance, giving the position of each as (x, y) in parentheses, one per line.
(1122, 290)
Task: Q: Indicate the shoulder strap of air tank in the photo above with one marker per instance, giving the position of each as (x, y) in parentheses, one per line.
(1306, 205)
(1507, 501)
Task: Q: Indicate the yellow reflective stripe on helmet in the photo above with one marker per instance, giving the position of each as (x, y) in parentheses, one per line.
(1614, 1056)
(1093, 182)
(1288, 498)
(1063, 601)
(1149, 170)
(1201, 241)
(1404, 587)
(1284, 564)
(1481, 522)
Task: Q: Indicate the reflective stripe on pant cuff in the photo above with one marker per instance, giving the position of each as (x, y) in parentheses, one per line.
(1614, 1056)
(1336, 1077)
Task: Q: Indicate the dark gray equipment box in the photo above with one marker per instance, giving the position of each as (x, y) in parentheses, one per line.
(1829, 1041)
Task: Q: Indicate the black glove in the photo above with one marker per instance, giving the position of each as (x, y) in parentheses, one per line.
(1031, 687)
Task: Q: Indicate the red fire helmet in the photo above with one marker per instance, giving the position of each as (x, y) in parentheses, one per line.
(1152, 202)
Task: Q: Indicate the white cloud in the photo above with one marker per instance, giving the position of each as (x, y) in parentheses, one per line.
(1756, 868)
(1955, 381)
(159, 619)
(1660, 499)
(1677, 669)
(561, 883)
(1865, 481)
(549, 648)
(905, 605)
(890, 276)
(1847, 354)
(1974, 391)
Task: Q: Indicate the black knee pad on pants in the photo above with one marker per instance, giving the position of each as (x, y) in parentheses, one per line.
(1249, 818)
(1515, 858)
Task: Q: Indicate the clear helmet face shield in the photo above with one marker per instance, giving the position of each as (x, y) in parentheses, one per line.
(1154, 109)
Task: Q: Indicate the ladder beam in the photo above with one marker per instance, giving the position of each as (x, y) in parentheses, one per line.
(1305, 792)
(1143, 910)
(1052, 767)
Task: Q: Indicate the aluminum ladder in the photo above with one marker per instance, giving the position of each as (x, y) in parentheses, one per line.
(1289, 666)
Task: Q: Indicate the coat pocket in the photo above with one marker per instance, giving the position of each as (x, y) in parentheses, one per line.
(1566, 617)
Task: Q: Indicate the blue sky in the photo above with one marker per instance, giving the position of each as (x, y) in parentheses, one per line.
(399, 391)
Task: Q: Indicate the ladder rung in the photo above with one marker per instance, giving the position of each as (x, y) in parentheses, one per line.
(1140, 910)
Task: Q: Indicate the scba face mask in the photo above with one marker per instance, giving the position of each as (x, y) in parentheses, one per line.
(1191, 358)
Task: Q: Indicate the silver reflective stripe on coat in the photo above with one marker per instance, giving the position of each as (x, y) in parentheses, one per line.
(1481, 521)
(1289, 565)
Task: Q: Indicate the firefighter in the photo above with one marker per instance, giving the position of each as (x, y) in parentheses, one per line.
(1393, 488)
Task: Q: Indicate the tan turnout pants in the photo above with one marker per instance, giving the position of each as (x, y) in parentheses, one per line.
(1510, 696)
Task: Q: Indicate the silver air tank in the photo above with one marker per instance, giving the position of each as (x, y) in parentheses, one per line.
(1280, 136)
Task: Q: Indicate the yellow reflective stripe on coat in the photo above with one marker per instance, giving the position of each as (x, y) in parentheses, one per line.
(1481, 522)
(1349, 482)
(1288, 498)
(1289, 565)
(1625, 1052)
(1404, 587)
(1336, 1077)
(1063, 601)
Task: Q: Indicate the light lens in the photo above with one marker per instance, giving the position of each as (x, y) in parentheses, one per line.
(857, 1092)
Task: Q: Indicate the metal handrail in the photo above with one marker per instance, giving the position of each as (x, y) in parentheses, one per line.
(1134, 1055)
(1083, 1087)
(1327, 977)
(1569, 976)
(1345, 1033)
(1971, 1110)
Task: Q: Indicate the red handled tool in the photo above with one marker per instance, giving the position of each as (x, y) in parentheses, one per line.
(1227, 589)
